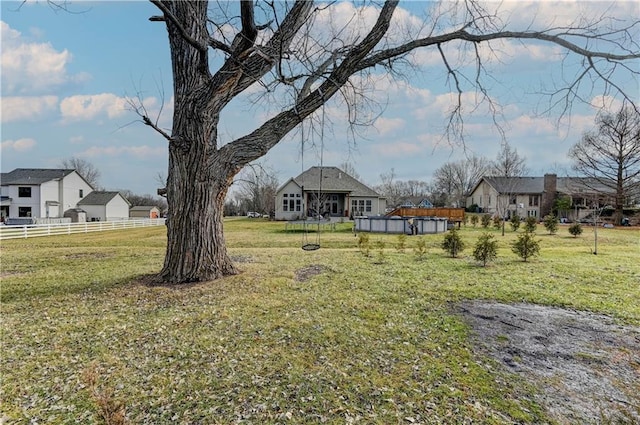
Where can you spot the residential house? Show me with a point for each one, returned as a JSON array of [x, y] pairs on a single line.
[[144, 211], [535, 196], [415, 202], [326, 191], [105, 206], [40, 193]]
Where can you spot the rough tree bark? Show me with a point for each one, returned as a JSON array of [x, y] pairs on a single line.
[[200, 171]]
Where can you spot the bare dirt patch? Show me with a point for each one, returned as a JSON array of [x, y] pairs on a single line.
[[585, 366], [306, 273]]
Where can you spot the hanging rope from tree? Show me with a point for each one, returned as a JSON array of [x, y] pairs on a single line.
[[308, 245]]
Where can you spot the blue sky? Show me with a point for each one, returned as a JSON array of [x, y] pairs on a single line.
[[66, 78]]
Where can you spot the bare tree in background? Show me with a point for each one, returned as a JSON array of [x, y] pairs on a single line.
[[220, 50], [457, 179], [257, 189], [610, 156], [509, 163], [350, 169], [86, 169]]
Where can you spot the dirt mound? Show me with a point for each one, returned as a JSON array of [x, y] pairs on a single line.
[[586, 366]]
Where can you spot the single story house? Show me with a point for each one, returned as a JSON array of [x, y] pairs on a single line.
[[327, 191], [40, 192], [105, 206], [144, 211], [535, 196]]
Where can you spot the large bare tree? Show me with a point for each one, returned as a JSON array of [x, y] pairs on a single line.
[[457, 179], [509, 163], [219, 53], [610, 156], [85, 168]]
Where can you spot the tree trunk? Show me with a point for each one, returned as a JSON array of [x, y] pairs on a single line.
[[196, 249], [197, 180]]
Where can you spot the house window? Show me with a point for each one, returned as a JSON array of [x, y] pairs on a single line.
[[532, 213], [81, 193], [24, 192], [24, 211], [368, 206], [533, 200], [513, 200], [489, 200], [290, 203]]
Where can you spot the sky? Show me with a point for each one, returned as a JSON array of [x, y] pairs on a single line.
[[68, 78]]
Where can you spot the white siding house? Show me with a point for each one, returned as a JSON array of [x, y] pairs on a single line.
[[105, 206], [40, 193]]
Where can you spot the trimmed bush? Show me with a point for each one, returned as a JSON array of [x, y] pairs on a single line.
[[575, 229], [485, 221], [474, 220]]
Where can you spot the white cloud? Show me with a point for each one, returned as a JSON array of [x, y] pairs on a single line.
[[389, 125], [20, 145], [29, 67], [143, 151], [19, 108], [86, 107]]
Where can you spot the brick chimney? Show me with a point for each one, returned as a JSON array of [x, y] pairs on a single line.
[[549, 193]]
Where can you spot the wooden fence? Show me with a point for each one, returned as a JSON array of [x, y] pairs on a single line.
[[451, 214], [36, 230]]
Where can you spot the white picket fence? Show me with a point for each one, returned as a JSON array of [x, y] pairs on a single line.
[[36, 230]]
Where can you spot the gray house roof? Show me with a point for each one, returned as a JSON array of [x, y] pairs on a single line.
[[516, 184], [535, 185], [33, 176], [99, 197], [333, 180]]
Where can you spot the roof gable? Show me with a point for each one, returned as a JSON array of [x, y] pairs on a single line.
[[100, 197], [34, 176], [333, 179]]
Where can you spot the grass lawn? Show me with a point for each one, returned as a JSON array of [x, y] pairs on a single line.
[[328, 336]]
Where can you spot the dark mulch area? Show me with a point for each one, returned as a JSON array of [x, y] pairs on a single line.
[[585, 366]]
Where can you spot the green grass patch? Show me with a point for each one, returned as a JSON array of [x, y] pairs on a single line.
[[361, 340]]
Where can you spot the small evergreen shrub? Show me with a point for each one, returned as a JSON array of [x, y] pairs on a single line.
[[420, 250], [497, 222], [363, 244], [530, 225], [485, 221], [474, 220], [453, 243], [401, 245], [515, 222], [551, 223], [486, 249], [575, 229], [381, 255], [526, 246]]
